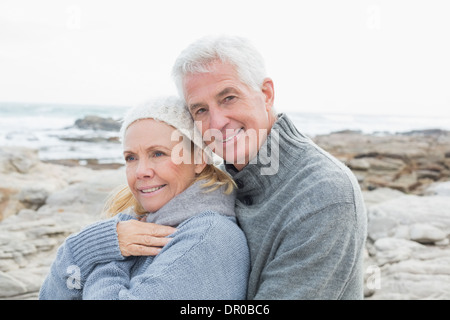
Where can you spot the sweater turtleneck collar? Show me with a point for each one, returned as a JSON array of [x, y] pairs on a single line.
[[275, 159], [193, 201]]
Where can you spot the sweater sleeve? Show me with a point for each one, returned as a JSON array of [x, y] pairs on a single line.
[[77, 256], [208, 258], [326, 251]]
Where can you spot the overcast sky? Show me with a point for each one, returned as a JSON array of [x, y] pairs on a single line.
[[324, 56]]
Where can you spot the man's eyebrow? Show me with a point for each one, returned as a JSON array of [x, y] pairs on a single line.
[[195, 106], [226, 91]]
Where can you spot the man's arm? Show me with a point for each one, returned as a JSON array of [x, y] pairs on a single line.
[[137, 238]]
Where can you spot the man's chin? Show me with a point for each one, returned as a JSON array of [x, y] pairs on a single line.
[[235, 155], [237, 159]]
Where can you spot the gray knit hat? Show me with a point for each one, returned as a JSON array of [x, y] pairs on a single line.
[[168, 109]]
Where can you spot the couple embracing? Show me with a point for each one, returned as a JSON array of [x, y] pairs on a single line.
[[277, 218]]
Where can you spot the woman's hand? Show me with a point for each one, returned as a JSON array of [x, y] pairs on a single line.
[[138, 238]]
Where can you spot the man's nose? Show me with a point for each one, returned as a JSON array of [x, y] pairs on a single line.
[[218, 118]]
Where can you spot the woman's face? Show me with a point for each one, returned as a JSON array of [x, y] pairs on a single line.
[[153, 177]]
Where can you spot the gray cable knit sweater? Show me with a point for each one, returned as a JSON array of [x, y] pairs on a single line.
[[305, 224]]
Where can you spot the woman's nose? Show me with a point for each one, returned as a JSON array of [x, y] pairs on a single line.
[[145, 169]]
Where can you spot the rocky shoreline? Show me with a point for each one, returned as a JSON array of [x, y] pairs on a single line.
[[405, 180], [407, 161]]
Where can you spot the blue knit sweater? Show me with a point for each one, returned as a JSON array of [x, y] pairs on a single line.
[[208, 257]]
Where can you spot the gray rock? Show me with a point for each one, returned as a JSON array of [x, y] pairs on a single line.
[[50, 203], [10, 286], [98, 123], [34, 196], [439, 189], [410, 209], [410, 247], [380, 195], [425, 233], [18, 159]]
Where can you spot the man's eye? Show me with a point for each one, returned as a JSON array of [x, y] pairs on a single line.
[[229, 98], [158, 154], [200, 111], [130, 158]]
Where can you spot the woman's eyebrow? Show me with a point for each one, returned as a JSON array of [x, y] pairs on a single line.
[[161, 147]]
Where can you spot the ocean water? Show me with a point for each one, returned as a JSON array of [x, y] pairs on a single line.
[[315, 124], [50, 128]]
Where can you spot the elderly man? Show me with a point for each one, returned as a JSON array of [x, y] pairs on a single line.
[[300, 208]]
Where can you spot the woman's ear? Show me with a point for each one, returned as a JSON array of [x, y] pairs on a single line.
[[199, 168]]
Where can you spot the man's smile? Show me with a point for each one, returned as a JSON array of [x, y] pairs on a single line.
[[235, 134]]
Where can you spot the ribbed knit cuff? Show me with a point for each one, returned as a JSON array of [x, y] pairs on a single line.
[[95, 244]]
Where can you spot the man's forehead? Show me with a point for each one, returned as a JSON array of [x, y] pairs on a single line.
[[215, 69]]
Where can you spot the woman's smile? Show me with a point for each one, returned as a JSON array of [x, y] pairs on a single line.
[[151, 190]]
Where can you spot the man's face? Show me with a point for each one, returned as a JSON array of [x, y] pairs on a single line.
[[233, 118]]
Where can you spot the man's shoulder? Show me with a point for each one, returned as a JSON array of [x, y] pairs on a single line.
[[317, 165], [320, 177]]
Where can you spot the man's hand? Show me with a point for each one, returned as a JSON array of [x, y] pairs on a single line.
[[138, 238]]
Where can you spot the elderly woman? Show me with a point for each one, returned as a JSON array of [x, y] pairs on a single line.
[[170, 182]]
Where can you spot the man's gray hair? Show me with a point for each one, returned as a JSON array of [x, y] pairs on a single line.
[[237, 51]]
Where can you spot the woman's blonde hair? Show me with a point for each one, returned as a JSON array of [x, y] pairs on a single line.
[[122, 198]]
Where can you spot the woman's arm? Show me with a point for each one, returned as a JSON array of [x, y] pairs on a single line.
[[77, 256], [101, 242], [208, 258]]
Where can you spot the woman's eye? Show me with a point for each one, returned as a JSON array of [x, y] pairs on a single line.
[[158, 154], [130, 158]]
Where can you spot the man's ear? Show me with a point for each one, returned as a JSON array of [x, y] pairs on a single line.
[[268, 90]]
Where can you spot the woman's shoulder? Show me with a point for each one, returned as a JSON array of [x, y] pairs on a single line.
[[207, 258], [210, 221], [210, 229]]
